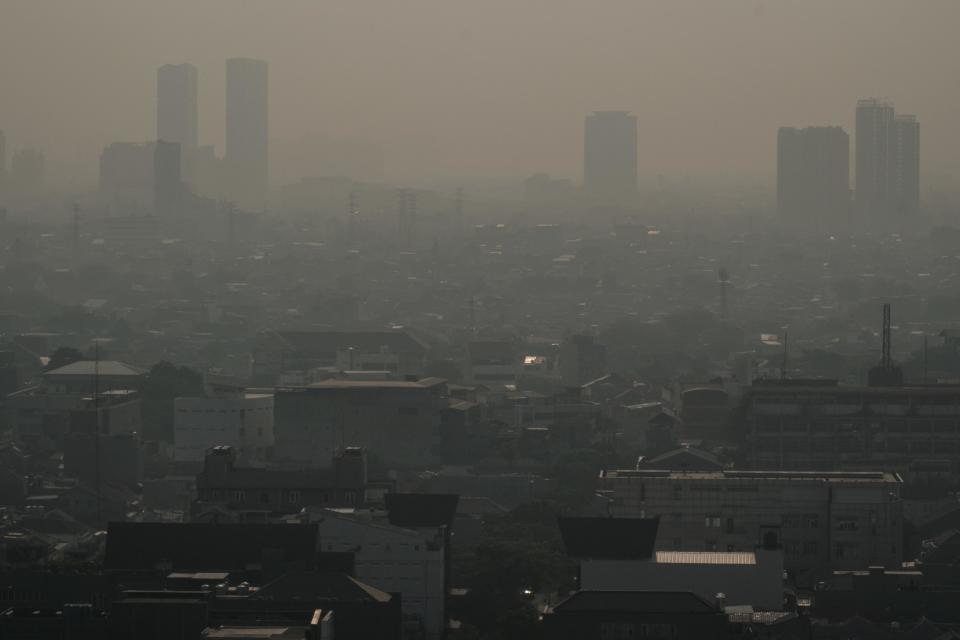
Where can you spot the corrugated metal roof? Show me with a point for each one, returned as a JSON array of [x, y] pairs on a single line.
[[706, 557]]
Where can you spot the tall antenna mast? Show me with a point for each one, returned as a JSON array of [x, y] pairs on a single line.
[[96, 413], [459, 208], [885, 359], [783, 365], [76, 228]]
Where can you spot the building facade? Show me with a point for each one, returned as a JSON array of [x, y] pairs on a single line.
[[887, 159], [610, 156], [241, 420], [833, 519], [813, 172], [822, 425], [399, 421], [247, 137], [251, 494], [395, 559], [177, 111]]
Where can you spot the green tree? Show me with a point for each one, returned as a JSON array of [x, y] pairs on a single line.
[[164, 383]]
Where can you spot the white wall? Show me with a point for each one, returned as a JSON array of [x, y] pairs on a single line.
[[394, 560], [241, 421]]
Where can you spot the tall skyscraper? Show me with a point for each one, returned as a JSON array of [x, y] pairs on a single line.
[[177, 111], [905, 164], [888, 159], [610, 156], [3, 160], [247, 149], [27, 174], [813, 172]]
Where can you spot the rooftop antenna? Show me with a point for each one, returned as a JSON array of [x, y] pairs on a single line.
[[76, 227], [352, 215], [783, 364], [885, 360], [886, 373], [724, 277], [96, 437], [459, 208]]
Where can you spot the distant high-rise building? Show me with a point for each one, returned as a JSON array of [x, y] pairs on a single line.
[[167, 180], [141, 177], [3, 160], [27, 173], [905, 164], [887, 159], [247, 148], [126, 177], [813, 172], [610, 156], [177, 111]]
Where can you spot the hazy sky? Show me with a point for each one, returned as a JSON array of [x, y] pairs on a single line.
[[489, 88]]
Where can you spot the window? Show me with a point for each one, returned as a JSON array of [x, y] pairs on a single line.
[[849, 523], [264, 497], [293, 497], [239, 496], [791, 549], [730, 525], [712, 522], [810, 548], [791, 521], [813, 521]]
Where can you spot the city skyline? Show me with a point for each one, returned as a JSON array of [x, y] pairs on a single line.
[[745, 66]]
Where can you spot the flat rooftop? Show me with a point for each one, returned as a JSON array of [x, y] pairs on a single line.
[[425, 383], [734, 474]]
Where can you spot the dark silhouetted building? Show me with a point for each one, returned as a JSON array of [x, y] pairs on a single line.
[[599, 615], [813, 172], [167, 183], [27, 174], [250, 494], [247, 131], [177, 112], [610, 156]]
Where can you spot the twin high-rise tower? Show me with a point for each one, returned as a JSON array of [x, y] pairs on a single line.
[[244, 177], [813, 166]]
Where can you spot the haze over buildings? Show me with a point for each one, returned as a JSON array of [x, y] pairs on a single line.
[[436, 320], [458, 91]]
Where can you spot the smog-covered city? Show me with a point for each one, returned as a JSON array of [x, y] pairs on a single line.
[[504, 320]]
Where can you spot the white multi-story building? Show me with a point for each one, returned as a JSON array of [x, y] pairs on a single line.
[[834, 519], [241, 420], [393, 559]]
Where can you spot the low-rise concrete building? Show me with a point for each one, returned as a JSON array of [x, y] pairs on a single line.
[[399, 421], [240, 420], [828, 519]]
